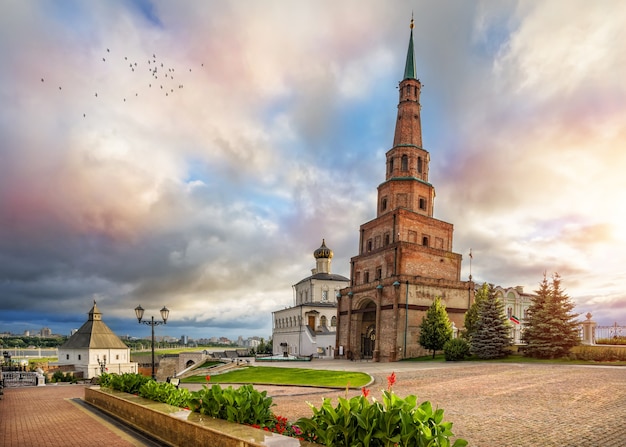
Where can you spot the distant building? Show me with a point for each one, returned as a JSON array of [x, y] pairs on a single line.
[[516, 304], [45, 332], [310, 326], [94, 348], [184, 340]]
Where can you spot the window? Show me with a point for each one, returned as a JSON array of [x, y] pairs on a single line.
[[404, 166], [323, 321], [509, 312], [422, 203], [419, 164], [366, 277], [379, 273], [369, 245], [78, 356], [333, 322], [391, 165], [383, 204], [67, 356], [117, 357], [387, 239], [324, 295], [425, 241]]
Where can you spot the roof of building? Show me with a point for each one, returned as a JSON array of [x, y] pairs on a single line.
[[409, 68], [324, 277], [323, 251], [94, 334]]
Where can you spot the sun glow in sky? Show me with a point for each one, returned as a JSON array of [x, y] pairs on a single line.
[[194, 154]]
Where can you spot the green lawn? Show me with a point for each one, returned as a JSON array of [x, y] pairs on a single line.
[[271, 375]]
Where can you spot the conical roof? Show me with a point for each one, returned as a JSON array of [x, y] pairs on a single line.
[[94, 334], [409, 67]]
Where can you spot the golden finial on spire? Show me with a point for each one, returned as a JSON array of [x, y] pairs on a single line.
[[411, 26]]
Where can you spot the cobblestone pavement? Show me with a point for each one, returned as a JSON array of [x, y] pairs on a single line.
[[497, 404], [52, 416], [490, 404]]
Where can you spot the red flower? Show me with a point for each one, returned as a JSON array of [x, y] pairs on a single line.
[[365, 392], [391, 380], [208, 377]]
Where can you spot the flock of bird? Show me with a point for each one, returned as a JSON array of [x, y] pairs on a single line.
[[161, 77]]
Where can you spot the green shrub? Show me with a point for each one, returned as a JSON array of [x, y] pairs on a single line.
[[394, 422], [127, 382], [456, 349], [598, 353], [58, 376], [244, 405], [165, 392], [616, 340]]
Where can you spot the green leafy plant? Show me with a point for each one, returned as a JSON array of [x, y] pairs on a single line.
[[166, 393], [127, 382], [392, 422], [244, 405], [456, 349], [59, 376]]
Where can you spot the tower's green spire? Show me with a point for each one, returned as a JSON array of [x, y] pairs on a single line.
[[409, 68]]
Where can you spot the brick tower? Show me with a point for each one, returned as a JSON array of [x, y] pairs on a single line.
[[405, 255]]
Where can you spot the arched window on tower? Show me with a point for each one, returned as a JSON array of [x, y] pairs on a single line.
[[404, 165], [425, 241], [419, 164], [391, 165]]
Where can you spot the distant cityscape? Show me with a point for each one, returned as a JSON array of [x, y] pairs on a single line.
[[184, 340]]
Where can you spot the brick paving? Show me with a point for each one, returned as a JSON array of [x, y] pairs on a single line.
[[50, 416], [498, 404], [490, 404]]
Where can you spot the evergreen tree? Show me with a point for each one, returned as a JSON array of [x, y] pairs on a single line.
[[436, 328], [491, 337], [471, 316], [551, 329]]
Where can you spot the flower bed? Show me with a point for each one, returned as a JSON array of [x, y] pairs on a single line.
[[176, 426]]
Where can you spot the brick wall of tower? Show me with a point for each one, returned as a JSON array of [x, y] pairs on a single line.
[[406, 194], [393, 302]]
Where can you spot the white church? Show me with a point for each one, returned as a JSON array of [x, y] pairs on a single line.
[[309, 327]]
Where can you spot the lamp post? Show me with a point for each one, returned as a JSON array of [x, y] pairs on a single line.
[[102, 363], [165, 312]]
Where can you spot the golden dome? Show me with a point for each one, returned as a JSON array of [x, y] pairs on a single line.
[[323, 251]]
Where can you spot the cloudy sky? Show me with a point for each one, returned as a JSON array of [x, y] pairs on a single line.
[[194, 154]]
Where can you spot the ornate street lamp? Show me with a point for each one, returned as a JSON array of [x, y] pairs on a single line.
[[102, 363], [165, 313]]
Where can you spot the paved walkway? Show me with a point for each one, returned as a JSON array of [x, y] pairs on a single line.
[[493, 404], [56, 416]]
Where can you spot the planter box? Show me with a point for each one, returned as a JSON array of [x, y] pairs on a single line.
[[178, 427]]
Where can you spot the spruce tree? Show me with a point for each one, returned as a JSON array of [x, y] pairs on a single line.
[[491, 338], [551, 329], [436, 328], [471, 316]]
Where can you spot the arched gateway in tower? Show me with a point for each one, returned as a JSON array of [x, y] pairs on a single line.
[[405, 255]]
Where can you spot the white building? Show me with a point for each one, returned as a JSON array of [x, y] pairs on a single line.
[[94, 348], [309, 327], [516, 304]]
